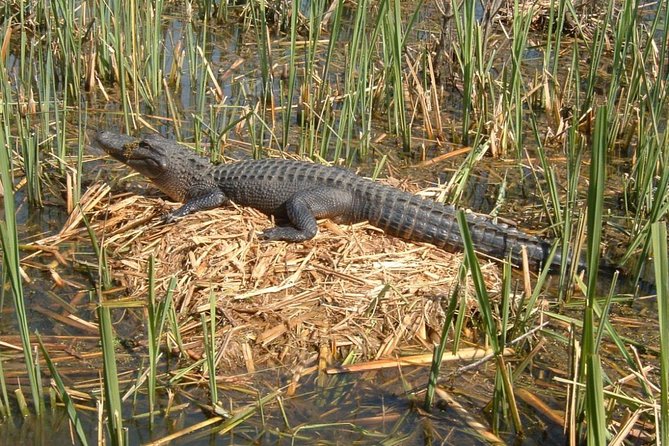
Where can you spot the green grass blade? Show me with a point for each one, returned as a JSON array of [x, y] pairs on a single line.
[[594, 402], [208, 335], [69, 404], [441, 347], [596, 201], [110, 377], [288, 107], [595, 411], [153, 338], [479, 283], [661, 265]]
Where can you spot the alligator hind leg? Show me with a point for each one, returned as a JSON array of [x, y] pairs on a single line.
[[304, 207]]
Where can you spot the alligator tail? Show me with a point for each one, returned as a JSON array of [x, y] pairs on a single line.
[[413, 218]]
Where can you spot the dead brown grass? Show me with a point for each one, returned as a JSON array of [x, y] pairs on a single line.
[[349, 290]]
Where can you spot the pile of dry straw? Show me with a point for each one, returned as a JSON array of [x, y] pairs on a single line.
[[350, 290]]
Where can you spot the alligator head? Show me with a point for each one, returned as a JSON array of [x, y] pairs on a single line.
[[174, 169]]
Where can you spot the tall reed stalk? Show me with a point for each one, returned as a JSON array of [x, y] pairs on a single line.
[[312, 107], [156, 323], [503, 397], [648, 183], [440, 348], [292, 73], [322, 97], [202, 77], [514, 91], [5, 408], [153, 46], [112, 395], [590, 362], [661, 265], [261, 27], [598, 45], [209, 339], [65, 397]]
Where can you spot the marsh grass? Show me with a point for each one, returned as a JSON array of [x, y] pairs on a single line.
[[503, 400], [157, 312], [393, 39], [440, 348], [208, 322], [259, 15], [469, 51], [290, 86], [5, 408], [103, 271], [514, 93], [357, 83]]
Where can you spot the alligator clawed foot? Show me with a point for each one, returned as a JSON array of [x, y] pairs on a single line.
[[169, 218], [267, 235]]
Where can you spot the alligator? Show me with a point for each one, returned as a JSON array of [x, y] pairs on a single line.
[[297, 193]]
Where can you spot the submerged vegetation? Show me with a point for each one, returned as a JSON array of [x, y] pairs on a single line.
[[132, 331]]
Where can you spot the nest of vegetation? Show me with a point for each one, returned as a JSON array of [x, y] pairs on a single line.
[[350, 290]]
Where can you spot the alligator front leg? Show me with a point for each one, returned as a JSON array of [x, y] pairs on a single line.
[[210, 200], [304, 207]]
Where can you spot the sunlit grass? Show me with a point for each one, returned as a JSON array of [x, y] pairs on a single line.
[[590, 362], [661, 265], [503, 397], [515, 92], [112, 394], [64, 396], [352, 77], [209, 340], [393, 38], [469, 52], [157, 312], [457, 296]]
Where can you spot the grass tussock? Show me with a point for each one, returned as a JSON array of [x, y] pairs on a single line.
[[350, 288]]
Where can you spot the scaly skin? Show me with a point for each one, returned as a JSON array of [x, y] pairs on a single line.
[[297, 193]]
